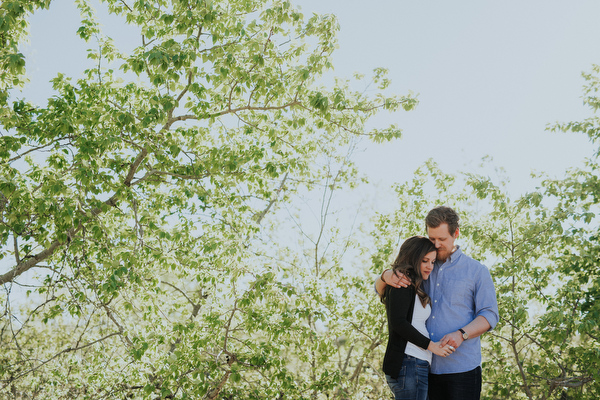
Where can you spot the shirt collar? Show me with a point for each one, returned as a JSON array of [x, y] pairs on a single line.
[[454, 256]]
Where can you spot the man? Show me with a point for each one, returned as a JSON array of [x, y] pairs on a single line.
[[463, 307]]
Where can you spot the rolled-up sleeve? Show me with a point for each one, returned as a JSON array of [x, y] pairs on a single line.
[[486, 304]]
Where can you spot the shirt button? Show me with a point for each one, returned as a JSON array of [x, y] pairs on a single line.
[[437, 284], [433, 317]]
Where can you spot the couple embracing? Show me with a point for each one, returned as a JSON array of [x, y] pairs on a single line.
[[438, 301]]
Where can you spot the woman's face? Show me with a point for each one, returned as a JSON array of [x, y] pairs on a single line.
[[427, 264]]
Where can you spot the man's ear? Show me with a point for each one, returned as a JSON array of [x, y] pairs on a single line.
[[456, 233]]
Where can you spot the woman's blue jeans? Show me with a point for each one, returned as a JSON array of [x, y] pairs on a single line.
[[412, 381]]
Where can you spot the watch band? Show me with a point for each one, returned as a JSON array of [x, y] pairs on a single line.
[[465, 335]]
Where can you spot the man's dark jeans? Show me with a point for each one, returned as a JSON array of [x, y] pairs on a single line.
[[462, 386]]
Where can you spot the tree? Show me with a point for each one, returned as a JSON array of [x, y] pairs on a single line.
[[132, 203], [546, 244]]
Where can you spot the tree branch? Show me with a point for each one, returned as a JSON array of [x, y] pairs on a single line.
[[67, 350], [24, 266], [35, 149], [113, 319], [16, 245], [261, 215], [31, 262], [133, 168], [254, 108]]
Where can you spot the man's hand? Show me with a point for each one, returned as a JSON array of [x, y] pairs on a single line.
[[475, 328], [397, 279], [454, 339]]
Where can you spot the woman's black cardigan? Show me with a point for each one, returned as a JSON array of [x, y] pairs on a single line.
[[399, 305]]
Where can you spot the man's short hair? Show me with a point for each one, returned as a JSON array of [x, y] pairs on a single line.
[[442, 215]]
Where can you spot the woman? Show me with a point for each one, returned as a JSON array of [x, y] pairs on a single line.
[[409, 349]]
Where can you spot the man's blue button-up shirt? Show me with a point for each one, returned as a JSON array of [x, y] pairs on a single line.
[[460, 289]]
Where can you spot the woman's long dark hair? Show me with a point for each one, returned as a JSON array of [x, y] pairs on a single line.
[[411, 253]]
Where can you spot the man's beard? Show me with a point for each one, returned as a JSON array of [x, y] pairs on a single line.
[[442, 255]]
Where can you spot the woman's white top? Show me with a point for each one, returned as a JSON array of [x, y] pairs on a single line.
[[420, 315]]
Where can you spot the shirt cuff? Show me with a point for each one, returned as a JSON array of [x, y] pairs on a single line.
[[491, 317]]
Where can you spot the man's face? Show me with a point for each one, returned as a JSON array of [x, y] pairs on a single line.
[[443, 240]]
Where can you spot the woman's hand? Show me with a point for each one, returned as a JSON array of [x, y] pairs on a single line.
[[437, 349]]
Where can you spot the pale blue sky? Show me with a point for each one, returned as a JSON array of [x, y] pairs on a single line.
[[490, 76]]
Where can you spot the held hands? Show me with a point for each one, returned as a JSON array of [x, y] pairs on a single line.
[[397, 279], [437, 349], [453, 339], [448, 345]]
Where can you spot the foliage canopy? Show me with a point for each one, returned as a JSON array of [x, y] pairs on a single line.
[[147, 209], [132, 202]]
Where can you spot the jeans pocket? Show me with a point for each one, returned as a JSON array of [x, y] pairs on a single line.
[[397, 383]]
